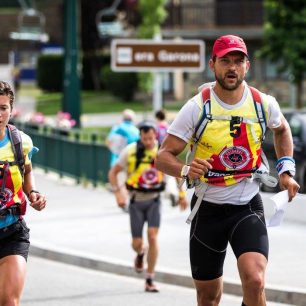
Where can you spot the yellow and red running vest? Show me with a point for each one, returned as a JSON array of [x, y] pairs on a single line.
[[143, 176], [13, 191], [231, 143]]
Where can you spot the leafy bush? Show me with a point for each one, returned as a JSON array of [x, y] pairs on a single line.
[[50, 72], [120, 84], [91, 67]]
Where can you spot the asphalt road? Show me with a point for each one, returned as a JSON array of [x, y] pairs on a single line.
[[50, 283]]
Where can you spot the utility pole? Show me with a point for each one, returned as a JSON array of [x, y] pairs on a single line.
[[71, 86]]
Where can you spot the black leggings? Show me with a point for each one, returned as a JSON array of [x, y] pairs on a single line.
[[243, 226]]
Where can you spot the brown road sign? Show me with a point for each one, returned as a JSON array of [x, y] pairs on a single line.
[[152, 55]]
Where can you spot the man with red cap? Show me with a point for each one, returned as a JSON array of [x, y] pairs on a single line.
[[225, 124]]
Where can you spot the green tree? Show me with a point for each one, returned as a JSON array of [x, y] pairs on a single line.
[[285, 39], [153, 14]]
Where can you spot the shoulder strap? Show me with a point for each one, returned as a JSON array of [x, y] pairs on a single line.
[[260, 111], [140, 149], [16, 141], [202, 123]]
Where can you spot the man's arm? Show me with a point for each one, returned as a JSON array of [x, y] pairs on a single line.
[[168, 162], [284, 147], [113, 179]]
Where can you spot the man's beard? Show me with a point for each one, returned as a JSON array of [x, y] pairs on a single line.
[[228, 87]]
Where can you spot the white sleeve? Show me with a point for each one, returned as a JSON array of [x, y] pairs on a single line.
[[123, 158], [274, 113], [185, 122]]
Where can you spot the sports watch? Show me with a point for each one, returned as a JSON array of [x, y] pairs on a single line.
[[185, 171]]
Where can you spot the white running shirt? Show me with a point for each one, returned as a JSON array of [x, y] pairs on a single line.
[[183, 127]]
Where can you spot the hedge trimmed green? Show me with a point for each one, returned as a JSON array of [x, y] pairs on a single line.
[[120, 84], [50, 72]]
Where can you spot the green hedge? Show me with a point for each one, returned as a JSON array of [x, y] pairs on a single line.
[[92, 65], [50, 72], [120, 84]]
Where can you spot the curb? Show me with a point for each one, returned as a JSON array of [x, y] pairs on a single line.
[[287, 295]]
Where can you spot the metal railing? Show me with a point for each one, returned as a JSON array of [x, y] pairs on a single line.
[[68, 154]]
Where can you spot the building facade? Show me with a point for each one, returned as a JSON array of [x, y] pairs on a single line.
[[187, 19], [209, 19]]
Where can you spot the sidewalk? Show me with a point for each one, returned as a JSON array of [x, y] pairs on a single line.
[[83, 226]]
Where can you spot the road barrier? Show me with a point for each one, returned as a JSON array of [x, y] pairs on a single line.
[[69, 153]]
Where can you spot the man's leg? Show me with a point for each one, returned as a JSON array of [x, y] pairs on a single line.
[[137, 223], [209, 292], [250, 243], [207, 247], [137, 245], [153, 218], [153, 249], [151, 259], [252, 267]]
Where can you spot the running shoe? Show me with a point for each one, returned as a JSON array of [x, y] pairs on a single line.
[[138, 263], [150, 286]]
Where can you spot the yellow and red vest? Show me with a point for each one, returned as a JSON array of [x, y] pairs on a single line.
[[231, 138], [142, 173], [13, 189]]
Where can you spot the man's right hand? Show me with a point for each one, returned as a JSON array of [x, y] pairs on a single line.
[[120, 198], [199, 167]]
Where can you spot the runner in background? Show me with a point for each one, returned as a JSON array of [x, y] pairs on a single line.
[[171, 191], [161, 125], [119, 137], [145, 184], [122, 134]]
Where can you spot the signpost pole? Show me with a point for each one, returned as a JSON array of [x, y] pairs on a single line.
[[158, 90]]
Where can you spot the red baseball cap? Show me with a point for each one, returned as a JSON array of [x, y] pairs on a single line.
[[228, 43]]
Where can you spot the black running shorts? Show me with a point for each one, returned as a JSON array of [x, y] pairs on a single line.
[[141, 212], [214, 225], [14, 240]]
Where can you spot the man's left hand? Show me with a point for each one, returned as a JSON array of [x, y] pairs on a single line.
[[289, 183], [38, 201], [182, 202]]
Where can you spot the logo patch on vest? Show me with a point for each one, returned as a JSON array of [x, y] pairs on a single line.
[[149, 177], [6, 196], [235, 157]]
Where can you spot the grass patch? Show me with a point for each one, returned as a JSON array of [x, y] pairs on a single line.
[[91, 102]]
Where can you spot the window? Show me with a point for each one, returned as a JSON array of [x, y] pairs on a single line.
[[271, 71], [239, 12]]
